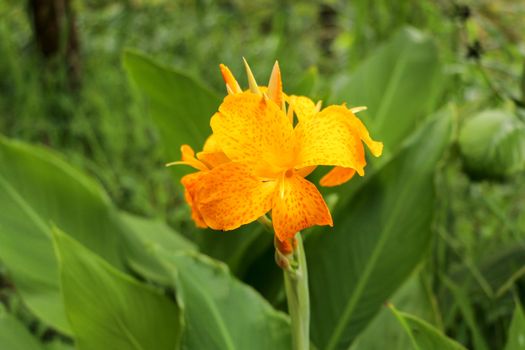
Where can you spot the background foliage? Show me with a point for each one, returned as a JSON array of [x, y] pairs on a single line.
[[96, 246]]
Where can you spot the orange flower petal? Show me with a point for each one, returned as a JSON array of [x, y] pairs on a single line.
[[304, 172], [230, 195], [211, 144], [191, 183], [188, 158], [231, 84], [275, 86], [212, 155], [303, 107], [286, 247], [337, 176], [213, 159], [327, 139], [249, 128], [297, 205], [376, 148]]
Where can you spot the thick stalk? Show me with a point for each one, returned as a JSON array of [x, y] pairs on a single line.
[[296, 286]]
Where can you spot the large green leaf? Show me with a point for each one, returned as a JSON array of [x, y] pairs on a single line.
[[238, 248], [61, 194], [57, 344], [383, 332], [38, 189], [516, 336], [180, 107], [27, 252], [147, 236], [377, 240], [154, 233], [107, 309], [221, 312], [231, 247], [14, 336], [423, 335], [400, 83]]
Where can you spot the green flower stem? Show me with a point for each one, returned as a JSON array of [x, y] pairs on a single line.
[[296, 286]]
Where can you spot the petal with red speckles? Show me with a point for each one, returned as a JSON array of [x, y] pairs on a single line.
[[297, 205]]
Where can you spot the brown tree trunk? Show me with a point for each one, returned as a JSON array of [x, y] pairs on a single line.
[[54, 25]]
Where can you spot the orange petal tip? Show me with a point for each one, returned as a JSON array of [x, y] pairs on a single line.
[[275, 85], [231, 83]]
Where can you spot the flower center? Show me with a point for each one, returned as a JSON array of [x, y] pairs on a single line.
[[289, 173]]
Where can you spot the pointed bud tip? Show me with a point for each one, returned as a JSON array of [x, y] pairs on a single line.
[[251, 79], [231, 84], [275, 85], [358, 109]]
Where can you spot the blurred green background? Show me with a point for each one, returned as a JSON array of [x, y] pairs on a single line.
[[63, 85]]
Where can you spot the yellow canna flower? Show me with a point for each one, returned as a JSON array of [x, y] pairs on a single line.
[[256, 160]]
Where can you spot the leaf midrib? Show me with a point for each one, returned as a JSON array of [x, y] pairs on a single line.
[[226, 336], [40, 223], [36, 218], [350, 306], [390, 90], [132, 340]]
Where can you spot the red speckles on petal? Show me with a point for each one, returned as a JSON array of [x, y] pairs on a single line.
[[327, 139], [256, 161], [303, 107], [230, 196], [212, 159], [252, 129], [191, 184], [376, 148], [298, 205]]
